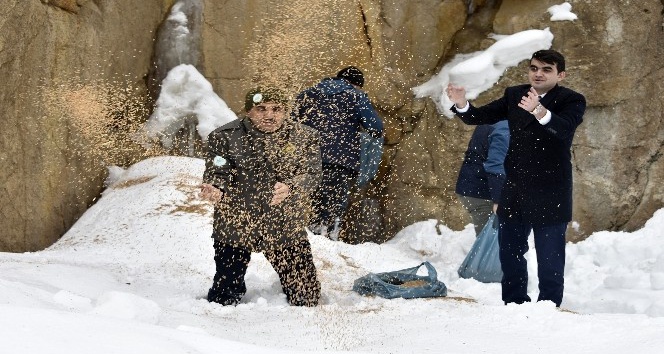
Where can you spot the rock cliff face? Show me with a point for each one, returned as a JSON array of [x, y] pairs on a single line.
[[67, 62], [615, 53], [65, 66]]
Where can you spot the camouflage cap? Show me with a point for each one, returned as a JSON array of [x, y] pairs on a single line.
[[268, 94]]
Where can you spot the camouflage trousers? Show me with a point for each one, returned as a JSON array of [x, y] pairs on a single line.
[[294, 265]]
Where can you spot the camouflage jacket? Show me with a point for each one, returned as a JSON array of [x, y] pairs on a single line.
[[245, 164]]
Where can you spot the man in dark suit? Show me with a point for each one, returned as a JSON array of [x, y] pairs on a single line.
[[537, 194]]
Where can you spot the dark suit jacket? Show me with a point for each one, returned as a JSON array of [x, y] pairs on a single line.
[[538, 187]]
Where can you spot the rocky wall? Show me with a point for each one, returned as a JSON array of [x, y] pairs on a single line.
[[613, 49], [614, 52], [66, 65]]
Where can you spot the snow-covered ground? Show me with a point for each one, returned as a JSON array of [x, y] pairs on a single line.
[[131, 276]]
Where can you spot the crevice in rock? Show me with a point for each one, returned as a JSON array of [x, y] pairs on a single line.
[[366, 30], [656, 156], [662, 15], [68, 5], [479, 19], [637, 213]]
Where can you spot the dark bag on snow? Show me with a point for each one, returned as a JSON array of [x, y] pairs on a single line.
[[371, 152], [403, 283], [482, 262]]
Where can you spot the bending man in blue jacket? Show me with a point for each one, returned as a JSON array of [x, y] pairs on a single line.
[[339, 110], [482, 173], [537, 194]]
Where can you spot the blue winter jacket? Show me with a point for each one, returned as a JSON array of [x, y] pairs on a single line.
[[339, 111], [482, 173]]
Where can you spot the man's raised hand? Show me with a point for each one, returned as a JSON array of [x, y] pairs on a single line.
[[281, 192], [457, 94]]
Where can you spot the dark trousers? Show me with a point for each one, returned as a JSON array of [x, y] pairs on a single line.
[[331, 198], [479, 209], [294, 265], [550, 250]]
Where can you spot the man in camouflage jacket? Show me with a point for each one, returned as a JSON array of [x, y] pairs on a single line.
[[260, 172]]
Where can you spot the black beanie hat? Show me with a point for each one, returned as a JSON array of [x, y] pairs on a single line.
[[352, 75], [259, 95]]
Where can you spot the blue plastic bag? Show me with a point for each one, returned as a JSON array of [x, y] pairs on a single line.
[[371, 152], [403, 283], [483, 262]]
